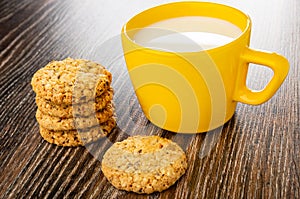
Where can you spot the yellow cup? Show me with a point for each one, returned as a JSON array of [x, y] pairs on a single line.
[[193, 92]]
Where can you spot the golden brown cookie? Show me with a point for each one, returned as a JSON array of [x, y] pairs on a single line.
[[59, 124], [78, 138], [81, 110], [71, 81], [144, 164]]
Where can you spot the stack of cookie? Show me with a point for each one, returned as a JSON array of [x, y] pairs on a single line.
[[74, 99]]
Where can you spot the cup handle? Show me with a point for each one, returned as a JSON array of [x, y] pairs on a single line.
[[277, 63]]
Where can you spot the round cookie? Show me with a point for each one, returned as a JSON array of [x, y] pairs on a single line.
[[144, 164], [71, 81], [82, 110], [58, 123], [78, 138]]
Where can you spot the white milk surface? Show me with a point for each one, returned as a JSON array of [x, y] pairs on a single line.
[[187, 34]]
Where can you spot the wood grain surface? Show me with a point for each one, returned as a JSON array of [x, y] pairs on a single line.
[[255, 155]]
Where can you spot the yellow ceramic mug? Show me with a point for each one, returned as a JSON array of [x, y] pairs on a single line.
[[192, 92]]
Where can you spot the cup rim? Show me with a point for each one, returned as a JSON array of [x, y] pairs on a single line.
[[247, 26]]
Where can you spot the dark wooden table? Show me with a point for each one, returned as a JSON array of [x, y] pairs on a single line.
[[255, 155]]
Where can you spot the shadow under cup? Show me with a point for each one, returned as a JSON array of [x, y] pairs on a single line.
[[197, 91]]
